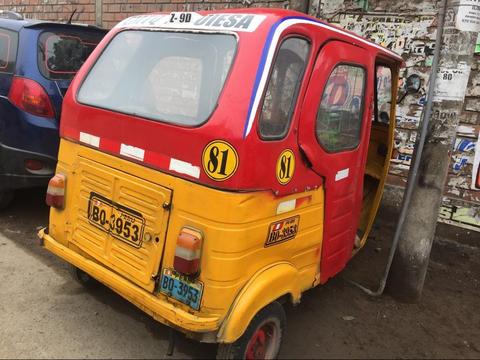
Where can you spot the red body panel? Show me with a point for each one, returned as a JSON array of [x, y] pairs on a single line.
[[231, 122], [343, 196]]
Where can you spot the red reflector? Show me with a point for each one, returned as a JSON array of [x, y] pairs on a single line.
[[187, 267], [31, 97], [187, 252], [56, 191], [34, 165]]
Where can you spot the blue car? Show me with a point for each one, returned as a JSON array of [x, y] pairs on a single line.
[[38, 60]]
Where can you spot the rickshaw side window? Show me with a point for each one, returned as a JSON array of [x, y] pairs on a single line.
[[282, 90], [339, 118], [172, 77], [383, 105]]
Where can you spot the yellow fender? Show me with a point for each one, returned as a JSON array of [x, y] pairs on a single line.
[[266, 286]]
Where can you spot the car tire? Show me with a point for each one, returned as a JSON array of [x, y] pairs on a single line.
[[262, 339], [83, 278], [6, 198]]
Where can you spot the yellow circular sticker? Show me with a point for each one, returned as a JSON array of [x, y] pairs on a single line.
[[219, 160], [285, 166]]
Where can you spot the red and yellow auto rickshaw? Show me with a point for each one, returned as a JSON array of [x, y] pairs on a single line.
[[215, 165]]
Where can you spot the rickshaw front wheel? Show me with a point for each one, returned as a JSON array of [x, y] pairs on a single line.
[[262, 339]]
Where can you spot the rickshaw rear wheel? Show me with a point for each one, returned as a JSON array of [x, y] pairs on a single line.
[[262, 339], [83, 278]]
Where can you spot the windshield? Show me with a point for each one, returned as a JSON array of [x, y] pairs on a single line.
[[173, 77], [62, 53]]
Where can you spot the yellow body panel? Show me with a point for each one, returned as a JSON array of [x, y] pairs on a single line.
[[239, 273]]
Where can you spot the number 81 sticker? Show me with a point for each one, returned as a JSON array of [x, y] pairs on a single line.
[[285, 166], [219, 160]]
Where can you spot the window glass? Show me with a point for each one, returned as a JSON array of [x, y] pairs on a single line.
[[172, 77], [61, 54], [8, 50], [339, 117], [384, 94], [282, 90]]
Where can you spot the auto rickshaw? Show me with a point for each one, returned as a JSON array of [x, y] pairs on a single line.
[[215, 165]]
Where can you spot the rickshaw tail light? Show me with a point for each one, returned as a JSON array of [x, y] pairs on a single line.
[[56, 191], [188, 252]]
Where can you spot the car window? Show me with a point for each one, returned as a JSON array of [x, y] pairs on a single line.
[[383, 94], [62, 53], [282, 90], [173, 77], [339, 117], [8, 50]]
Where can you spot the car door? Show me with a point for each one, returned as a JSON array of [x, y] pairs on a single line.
[[334, 126]]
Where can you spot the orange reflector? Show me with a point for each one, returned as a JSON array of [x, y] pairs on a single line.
[[188, 251], [56, 191]]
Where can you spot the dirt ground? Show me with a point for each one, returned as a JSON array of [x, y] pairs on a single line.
[[44, 314]]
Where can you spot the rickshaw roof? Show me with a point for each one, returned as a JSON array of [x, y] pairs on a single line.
[[248, 20]]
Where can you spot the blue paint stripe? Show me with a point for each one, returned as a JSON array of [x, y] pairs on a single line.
[[261, 66]]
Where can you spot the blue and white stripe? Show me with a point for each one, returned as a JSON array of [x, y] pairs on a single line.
[[269, 52]]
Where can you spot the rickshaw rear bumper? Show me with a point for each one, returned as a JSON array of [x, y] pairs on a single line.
[[203, 328]]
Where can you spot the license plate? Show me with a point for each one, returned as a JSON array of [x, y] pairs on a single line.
[[181, 288], [282, 230], [122, 223]]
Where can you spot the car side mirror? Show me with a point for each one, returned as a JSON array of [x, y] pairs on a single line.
[[412, 86]]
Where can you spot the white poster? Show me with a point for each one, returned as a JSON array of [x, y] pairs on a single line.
[[468, 15], [451, 83]]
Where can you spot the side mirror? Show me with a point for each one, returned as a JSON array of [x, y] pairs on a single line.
[[412, 86]]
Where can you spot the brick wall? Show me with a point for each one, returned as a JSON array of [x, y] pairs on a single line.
[[112, 11], [116, 10], [58, 10]]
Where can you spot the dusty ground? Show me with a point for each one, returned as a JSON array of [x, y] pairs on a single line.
[[43, 314]]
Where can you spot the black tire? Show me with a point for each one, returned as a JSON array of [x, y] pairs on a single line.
[[6, 198], [83, 278], [271, 320]]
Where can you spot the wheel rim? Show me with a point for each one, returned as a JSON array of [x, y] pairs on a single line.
[[264, 342]]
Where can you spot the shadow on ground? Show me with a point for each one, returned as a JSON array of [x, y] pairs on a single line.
[[333, 321]]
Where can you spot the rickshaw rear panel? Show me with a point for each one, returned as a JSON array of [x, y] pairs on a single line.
[[226, 265]]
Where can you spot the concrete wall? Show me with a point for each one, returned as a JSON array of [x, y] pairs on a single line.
[[409, 28], [405, 27]]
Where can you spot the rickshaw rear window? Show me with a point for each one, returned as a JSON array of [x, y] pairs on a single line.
[[172, 77]]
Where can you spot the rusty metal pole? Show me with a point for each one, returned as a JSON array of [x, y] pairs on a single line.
[[411, 260]]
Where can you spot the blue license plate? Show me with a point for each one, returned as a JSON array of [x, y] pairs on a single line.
[[181, 288]]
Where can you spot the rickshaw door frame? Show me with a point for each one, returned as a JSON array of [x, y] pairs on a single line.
[[343, 170]]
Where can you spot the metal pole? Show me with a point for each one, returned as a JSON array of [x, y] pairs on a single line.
[[417, 155]]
